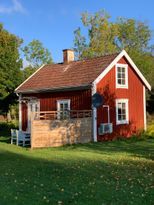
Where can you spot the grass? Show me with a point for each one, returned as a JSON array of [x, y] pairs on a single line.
[[110, 173]]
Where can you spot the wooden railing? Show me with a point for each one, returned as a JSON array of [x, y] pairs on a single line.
[[61, 115]]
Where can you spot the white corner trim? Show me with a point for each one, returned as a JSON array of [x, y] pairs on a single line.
[[126, 75], [122, 100], [144, 108], [94, 115], [112, 64], [29, 77]]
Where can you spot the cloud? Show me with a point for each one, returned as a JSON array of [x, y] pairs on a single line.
[[16, 7]]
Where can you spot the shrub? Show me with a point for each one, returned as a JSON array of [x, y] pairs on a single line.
[[5, 128]]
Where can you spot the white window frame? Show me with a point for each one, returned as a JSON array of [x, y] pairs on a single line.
[[119, 122], [63, 101], [126, 75]]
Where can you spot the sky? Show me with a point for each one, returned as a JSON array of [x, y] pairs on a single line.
[[53, 21]]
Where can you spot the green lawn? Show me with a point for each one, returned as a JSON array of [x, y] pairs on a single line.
[[116, 173]]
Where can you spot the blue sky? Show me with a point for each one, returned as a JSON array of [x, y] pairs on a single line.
[[53, 21]]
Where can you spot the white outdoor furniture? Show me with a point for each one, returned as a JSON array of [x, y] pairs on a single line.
[[13, 136], [20, 138]]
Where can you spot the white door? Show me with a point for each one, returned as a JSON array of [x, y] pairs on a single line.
[[33, 106], [63, 107]]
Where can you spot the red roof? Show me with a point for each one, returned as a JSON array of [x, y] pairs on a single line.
[[74, 74]]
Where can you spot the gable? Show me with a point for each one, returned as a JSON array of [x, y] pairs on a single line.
[[123, 57]]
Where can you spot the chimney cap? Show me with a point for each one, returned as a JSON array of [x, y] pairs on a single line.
[[68, 49]]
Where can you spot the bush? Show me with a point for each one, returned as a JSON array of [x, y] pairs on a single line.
[[5, 128]]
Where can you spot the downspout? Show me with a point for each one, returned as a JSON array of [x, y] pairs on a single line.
[[94, 115]]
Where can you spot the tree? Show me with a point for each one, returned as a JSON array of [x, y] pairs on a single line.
[[36, 54], [105, 37], [101, 35], [10, 64], [79, 43], [27, 71], [133, 35]]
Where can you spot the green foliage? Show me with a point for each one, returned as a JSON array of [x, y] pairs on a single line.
[[5, 128], [132, 35], [28, 71], [116, 173], [105, 37], [10, 62], [79, 43], [101, 35], [36, 54]]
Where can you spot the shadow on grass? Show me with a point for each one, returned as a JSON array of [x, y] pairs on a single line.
[[138, 148], [28, 179]]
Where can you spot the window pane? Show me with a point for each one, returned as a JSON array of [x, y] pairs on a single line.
[[119, 81], [123, 70], [119, 118], [123, 75], [123, 105], [119, 69], [119, 111], [120, 105], [65, 106], [61, 106], [123, 82], [123, 111], [119, 75], [123, 117]]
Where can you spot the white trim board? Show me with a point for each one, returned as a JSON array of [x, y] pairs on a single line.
[[144, 108], [94, 115], [29, 78], [113, 63]]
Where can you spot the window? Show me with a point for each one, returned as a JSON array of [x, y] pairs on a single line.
[[122, 111], [63, 108], [121, 76]]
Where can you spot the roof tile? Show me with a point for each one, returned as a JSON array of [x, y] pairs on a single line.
[[74, 74]]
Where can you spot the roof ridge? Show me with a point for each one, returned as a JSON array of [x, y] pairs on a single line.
[[96, 57], [86, 59]]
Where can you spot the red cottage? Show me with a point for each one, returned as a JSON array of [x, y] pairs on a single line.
[[70, 85]]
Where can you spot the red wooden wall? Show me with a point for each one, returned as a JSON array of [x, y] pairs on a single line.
[[80, 100], [134, 94]]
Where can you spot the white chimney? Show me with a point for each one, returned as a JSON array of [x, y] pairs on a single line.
[[68, 55]]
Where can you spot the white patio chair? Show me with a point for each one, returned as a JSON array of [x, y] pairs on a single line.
[[13, 136], [22, 138]]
